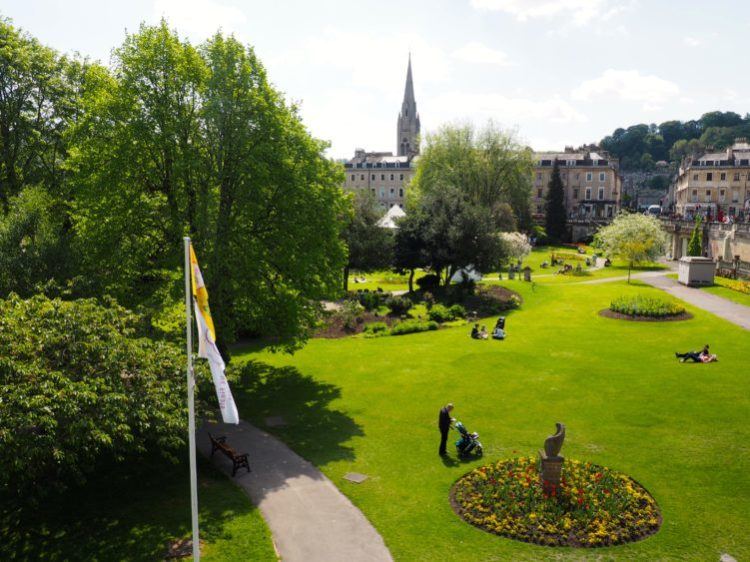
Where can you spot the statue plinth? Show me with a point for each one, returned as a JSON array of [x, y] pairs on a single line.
[[551, 472]]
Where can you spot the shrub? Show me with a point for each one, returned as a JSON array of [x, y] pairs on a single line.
[[413, 326], [376, 329], [641, 305], [734, 284], [78, 388], [350, 314], [371, 300], [428, 282], [440, 313], [457, 311], [398, 305]]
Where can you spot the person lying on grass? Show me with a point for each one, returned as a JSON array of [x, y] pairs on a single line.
[[703, 356]]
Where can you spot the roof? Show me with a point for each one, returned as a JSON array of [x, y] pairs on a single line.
[[390, 218]]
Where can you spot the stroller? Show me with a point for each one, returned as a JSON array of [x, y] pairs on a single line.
[[468, 443]]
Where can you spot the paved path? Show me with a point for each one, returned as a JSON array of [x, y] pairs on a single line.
[[642, 275], [309, 518], [721, 307]]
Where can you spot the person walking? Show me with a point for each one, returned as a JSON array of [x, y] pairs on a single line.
[[444, 424]]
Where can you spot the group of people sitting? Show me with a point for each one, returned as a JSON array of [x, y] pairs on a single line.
[[702, 356], [480, 332]]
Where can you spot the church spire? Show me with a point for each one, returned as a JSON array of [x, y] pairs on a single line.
[[408, 120]]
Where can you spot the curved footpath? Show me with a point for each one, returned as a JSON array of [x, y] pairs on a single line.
[[309, 518]]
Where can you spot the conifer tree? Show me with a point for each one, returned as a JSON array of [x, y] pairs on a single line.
[[556, 219], [695, 245]]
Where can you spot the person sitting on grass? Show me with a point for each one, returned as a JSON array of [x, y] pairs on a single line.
[[695, 356], [483, 335], [475, 332]]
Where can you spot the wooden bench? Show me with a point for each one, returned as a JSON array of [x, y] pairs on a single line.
[[238, 460]]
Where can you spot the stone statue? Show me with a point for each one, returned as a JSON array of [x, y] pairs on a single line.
[[551, 462], [554, 443]]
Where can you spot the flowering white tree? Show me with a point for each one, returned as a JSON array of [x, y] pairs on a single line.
[[634, 238], [516, 245]]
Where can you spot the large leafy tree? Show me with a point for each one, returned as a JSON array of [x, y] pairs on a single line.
[[79, 389], [635, 238], [488, 165], [556, 220], [180, 140], [37, 103], [370, 246], [409, 244]]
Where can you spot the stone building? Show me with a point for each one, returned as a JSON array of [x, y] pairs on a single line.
[[592, 183], [715, 181], [381, 173]]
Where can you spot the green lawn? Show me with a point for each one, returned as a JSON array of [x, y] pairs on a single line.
[[134, 519], [385, 279], [370, 406]]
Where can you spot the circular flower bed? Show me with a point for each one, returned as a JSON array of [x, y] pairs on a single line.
[[593, 506], [649, 307]]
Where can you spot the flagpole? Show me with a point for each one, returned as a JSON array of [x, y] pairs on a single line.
[[191, 405]]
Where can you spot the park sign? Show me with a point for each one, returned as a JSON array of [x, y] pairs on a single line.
[[207, 348]]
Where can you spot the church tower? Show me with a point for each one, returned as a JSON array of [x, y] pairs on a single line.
[[408, 120]]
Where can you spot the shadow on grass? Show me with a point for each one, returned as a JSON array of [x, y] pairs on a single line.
[[120, 517], [312, 428]]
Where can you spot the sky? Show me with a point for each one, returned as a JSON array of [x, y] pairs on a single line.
[[557, 72]]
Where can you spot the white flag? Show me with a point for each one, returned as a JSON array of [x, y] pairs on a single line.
[[207, 344]]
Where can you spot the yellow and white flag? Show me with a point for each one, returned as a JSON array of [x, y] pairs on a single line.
[[207, 343]]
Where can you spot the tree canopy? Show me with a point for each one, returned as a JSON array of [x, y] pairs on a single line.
[[635, 238], [555, 218]]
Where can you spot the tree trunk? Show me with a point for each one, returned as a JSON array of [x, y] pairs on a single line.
[[346, 279], [411, 280]]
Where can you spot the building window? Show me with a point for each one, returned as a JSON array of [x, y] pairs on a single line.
[[401, 192], [393, 191], [578, 175], [695, 177], [723, 176], [382, 177], [382, 192], [391, 177], [361, 176], [709, 176], [601, 176], [401, 177], [735, 196], [589, 176], [575, 193], [373, 177], [539, 176], [564, 176], [588, 193], [352, 177], [708, 196], [736, 177], [373, 191], [539, 193], [601, 194], [609, 211], [722, 195], [695, 196]]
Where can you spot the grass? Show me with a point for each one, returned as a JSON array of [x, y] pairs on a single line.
[[135, 518], [370, 406], [384, 279]]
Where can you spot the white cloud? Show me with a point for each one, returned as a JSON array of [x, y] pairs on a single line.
[[376, 62], [692, 41], [477, 53], [628, 85], [580, 12], [199, 18], [483, 106]]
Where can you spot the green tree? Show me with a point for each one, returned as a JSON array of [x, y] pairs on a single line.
[[409, 245], [635, 238], [695, 244], [555, 219], [458, 234], [488, 165], [80, 389], [370, 246]]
